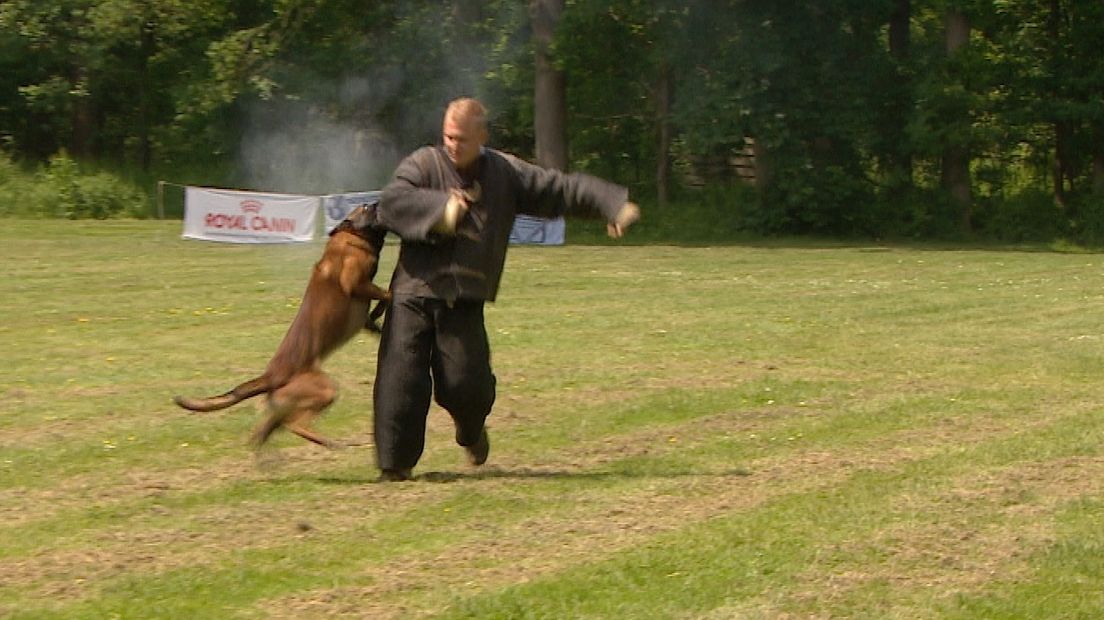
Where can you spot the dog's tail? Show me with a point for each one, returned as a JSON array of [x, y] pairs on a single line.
[[249, 389]]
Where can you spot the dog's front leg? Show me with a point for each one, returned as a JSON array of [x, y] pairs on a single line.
[[367, 291]]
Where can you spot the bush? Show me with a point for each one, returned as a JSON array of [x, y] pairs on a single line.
[[1088, 225], [20, 194], [98, 196], [62, 190], [1030, 216], [718, 213]]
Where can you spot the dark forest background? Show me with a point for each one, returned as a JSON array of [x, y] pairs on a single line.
[[872, 118]]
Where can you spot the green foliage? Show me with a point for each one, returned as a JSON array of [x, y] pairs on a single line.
[[715, 214], [60, 189], [1085, 220], [851, 125], [21, 193], [97, 195], [1029, 216], [613, 109]]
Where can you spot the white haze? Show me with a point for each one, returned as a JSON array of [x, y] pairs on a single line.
[[306, 147], [300, 150]]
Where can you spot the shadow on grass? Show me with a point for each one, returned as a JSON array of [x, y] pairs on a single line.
[[496, 473], [858, 245]]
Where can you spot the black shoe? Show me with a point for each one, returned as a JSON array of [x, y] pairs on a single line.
[[395, 475], [478, 453]]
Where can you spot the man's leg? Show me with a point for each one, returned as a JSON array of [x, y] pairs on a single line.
[[403, 386], [464, 383]]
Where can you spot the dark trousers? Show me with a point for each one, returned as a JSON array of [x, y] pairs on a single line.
[[430, 348]]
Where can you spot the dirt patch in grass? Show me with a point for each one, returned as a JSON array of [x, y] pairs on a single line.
[[97, 489], [593, 525], [989, 526], [592, 529], [165, 538], [114, 486]]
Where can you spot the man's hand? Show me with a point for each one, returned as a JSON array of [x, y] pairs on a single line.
[[456, 208], [628, 215], [472, 194]]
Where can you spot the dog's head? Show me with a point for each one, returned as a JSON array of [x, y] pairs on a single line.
[[363, 221]]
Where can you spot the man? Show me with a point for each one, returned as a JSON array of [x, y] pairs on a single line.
[[453, 207]]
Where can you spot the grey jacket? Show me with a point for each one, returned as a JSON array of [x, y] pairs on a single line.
[[468, 265]]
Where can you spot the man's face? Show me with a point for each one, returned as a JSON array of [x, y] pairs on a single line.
[[463, 138]]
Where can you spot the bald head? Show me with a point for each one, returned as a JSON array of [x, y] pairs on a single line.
[[464, 131]]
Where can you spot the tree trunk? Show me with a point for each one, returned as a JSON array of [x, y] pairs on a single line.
[[1062, 137], [764, 172], [957, 27], [956, 156], [465, 39], [900, 44], [466, 14], [81, 115], [1097, 151], [1098, 174], [146, 50], [663, 145], [900, 39], [1062, 129], [550, 88]]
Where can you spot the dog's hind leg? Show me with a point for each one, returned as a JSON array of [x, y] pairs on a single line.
[[310, 435], [271, 422], [295, 406]]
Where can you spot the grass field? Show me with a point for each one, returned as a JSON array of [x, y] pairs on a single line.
[[682, 432]]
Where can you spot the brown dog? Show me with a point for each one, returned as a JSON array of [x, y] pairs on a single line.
[[335, 307]]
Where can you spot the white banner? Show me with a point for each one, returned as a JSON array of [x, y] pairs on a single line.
[[248, 217], [536, 230], [336, 207]]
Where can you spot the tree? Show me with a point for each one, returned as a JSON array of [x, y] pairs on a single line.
[[549, 92], [52, 39], [899, 100], [1048, 64], [918, 117], [955, 177], [620, 58], [1076, 79], [801, 79]]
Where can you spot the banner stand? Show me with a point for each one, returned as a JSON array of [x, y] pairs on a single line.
[[248, 217], [234, 216]]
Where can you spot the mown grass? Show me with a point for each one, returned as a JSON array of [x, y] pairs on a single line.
[[742, 431]]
